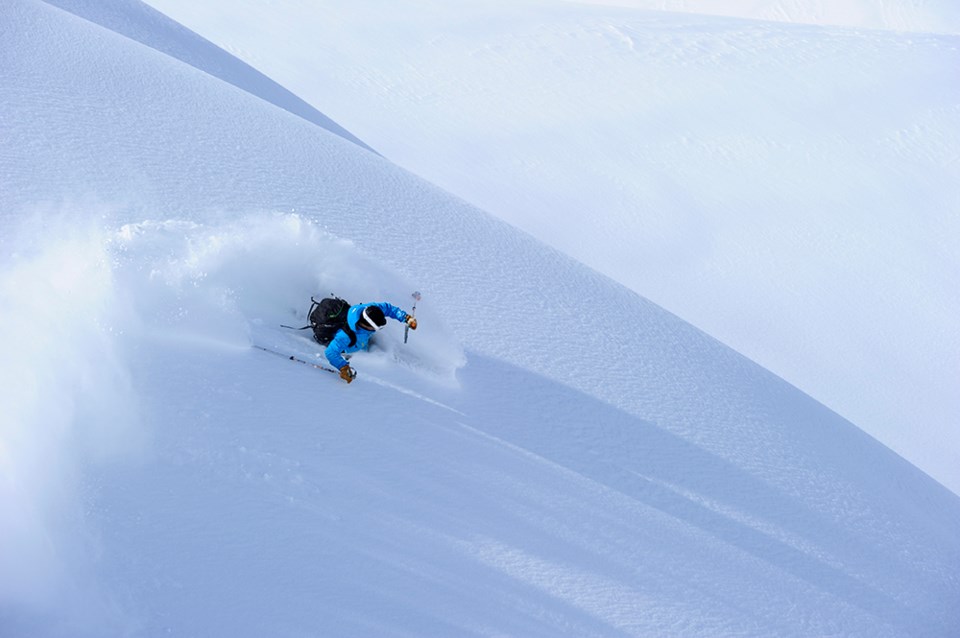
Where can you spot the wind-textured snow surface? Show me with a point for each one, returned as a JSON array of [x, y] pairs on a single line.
[[515, 469], [921, 16], [790, 189]]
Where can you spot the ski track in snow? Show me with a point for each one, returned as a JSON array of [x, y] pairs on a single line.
[[159, 476]]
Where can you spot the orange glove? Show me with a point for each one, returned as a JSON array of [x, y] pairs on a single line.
[[347, 373], [412, 322]]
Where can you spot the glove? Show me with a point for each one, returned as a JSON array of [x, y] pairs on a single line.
[[347, 373], [412, 322]]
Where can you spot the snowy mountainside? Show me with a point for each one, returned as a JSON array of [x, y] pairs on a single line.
[[513, 470], [787, 188], [143, 24]]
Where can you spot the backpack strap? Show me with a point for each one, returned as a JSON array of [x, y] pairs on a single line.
[[313, 304], [350, 333], [346, 320], [345, 327]]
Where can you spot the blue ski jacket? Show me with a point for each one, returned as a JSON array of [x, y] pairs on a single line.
[[340, 343]]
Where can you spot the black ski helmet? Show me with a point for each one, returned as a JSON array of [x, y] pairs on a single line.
[[373, 317]]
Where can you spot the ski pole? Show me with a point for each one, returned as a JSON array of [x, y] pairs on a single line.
[[406, 329], [291, 357]]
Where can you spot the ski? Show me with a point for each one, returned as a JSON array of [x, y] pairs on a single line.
[[290, 357]]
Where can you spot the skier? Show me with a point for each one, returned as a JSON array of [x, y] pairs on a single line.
[[364, 320]]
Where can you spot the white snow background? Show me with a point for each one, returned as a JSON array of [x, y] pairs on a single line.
[[789, 188], [524, 466]]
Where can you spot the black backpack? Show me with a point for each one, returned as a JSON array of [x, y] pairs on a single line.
[[327, 317]]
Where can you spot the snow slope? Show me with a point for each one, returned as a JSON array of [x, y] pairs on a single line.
[[139, 22], [159, 476], [789, 189]]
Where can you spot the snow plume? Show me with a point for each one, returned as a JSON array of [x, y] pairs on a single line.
[[209, 281], [67, 402], [232, 283], [79, 306]]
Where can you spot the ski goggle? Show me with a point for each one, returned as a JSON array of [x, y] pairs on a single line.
[[370, 322]]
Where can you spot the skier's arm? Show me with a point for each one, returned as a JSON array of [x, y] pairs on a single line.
[[336, 348], [389, 310]]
